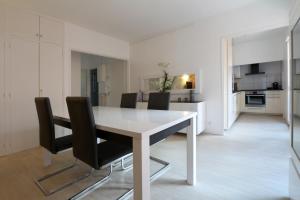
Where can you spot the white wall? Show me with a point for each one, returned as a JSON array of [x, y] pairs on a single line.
[[76, 74], [258, 51], [199, 47], [116, 70]]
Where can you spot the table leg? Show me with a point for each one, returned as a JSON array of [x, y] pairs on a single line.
[[191, 153], [141, 168], [47, 157]]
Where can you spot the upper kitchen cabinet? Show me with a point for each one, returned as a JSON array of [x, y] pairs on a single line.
[[22, 24], [266, 46], [51, 31]]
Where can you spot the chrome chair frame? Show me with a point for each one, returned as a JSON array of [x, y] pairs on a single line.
[[46, 192], [153, 177], [128, 194], [94, 186]]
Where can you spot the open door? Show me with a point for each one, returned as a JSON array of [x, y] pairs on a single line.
[[294, 181]]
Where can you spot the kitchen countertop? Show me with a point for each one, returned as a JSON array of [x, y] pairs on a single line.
[[257, 90], [175, 101]]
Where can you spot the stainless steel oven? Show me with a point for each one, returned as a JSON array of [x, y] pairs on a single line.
[[255, 98]]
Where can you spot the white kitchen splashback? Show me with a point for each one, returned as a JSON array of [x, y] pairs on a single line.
[[273, 73], [253, 82]]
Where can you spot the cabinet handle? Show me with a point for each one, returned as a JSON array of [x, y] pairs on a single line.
[[41, 35], [9, 95], [37, 35]]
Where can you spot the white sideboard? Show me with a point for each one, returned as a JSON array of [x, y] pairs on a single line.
[[198, 107]]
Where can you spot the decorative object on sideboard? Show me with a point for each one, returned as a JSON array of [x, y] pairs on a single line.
[[176, 82], [192, 98], [140, 96], [189, 85], [166, 83]]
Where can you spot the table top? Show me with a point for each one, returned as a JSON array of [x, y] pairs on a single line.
[[136, 122]]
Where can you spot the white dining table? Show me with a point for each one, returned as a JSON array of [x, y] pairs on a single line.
[[139, 125]]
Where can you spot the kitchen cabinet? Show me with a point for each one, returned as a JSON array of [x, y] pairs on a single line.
[[255, 109], [32, 67], [199, 107], [242, 101], [274, 102], [234, 108]]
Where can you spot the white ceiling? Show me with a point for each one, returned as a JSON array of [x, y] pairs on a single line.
[[131, 20]]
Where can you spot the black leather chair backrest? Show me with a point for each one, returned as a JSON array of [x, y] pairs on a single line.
[[84, 130], [128, 100], [46, 123], [159, 101]]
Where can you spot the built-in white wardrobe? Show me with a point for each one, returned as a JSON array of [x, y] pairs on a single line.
[[31, 65]]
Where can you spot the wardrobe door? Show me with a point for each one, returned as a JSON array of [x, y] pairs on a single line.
[[3, 140], [23, 82], [22, 24], [51, 31], [51, 75], [51, 78], [3, 137]]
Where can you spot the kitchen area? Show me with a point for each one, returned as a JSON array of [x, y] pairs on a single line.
[[258, 75]]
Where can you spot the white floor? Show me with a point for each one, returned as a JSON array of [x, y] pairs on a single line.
[[250, 162]]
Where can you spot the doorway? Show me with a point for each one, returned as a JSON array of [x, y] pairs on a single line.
[[101, 78], [255, 68], [94, 87]]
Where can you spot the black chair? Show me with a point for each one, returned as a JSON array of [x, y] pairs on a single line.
[[128, 100], [159, 101], [85, 147], [48, 140]]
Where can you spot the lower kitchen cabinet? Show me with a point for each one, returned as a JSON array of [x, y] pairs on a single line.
[[274, 102]]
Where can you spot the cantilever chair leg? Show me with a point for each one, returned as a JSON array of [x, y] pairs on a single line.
[[153, 177], [93, 187], [45, 191], [123, 162]]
